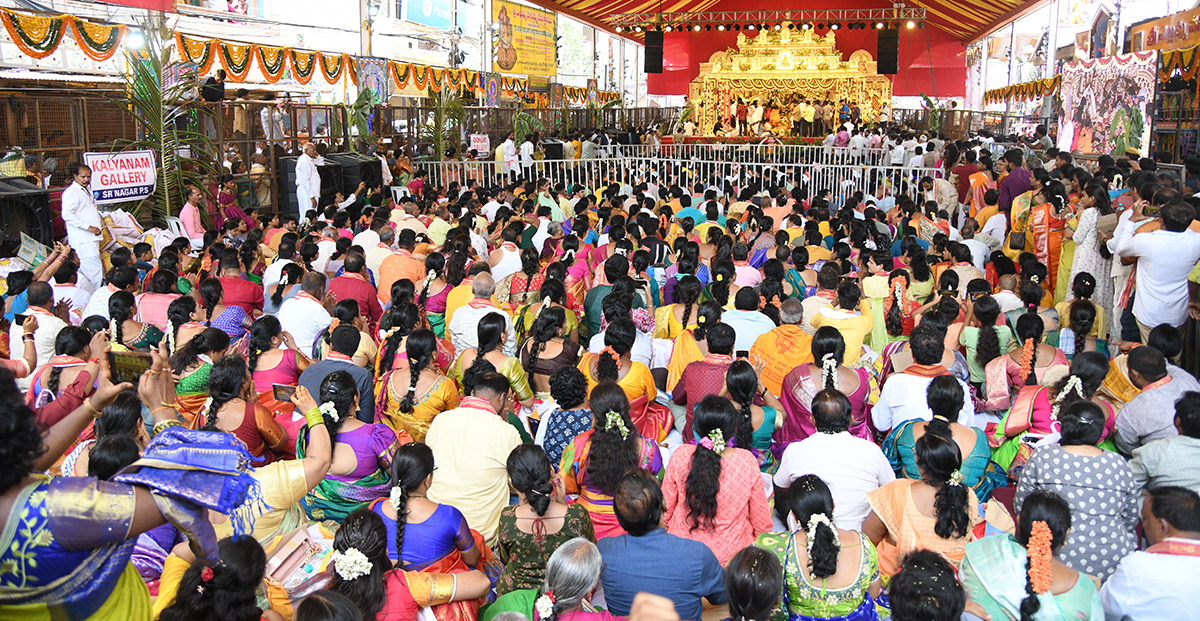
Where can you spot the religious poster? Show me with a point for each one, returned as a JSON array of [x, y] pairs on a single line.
[[593, 91], [491, 90], [372, 74], [527, 43], [1106, 104]]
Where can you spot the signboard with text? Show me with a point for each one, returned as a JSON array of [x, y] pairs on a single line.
[[122, 176], [481, 144], [526, 42], [1169, 33], [433, 13]]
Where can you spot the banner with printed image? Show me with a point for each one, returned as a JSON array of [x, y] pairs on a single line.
[[1106, 104], [526, 42]]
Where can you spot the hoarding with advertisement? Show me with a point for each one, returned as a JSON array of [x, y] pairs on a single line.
[[433, 13], [526, 41], [122, 176], [1169, 33]]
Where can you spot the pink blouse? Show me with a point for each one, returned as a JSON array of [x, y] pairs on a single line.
[[287, 372]]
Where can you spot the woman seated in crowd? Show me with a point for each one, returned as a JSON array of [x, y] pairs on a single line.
[[493, 332], [756, 424], [231, 320], [73, 348], [572, 575], [594, 461], [411, 395], [1017, 576], [754, 583], [273, 358], [945, 399], [126, 332], [363, 574], [232, 407], [983, 339], [551, 295], [1035, 410], [566, 415], [548, 349], [711, 489], [671, 320], [828, 572], [183, 322], [434, 292], [1024, 366], [614, 364], [540, 522], [1098, 485], [191, 590], [806, 380], [936, 512], [123, 418], [284, 290], [347, 313], [152, 305], [191, 364], [362, 453]]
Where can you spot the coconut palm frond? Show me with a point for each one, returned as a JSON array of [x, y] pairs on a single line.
[[445, 123], [169, 122]]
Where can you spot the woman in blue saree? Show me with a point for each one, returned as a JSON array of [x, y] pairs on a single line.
[[945, 397], [67, 541]]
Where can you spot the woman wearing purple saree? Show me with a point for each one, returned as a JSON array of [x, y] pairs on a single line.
[[806, 380]]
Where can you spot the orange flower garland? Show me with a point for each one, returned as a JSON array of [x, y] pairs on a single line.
[[1027, 359], [1041, 572]]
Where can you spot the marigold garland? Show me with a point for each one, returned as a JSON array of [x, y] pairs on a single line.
[[331, 73], [198, 51], [1027, 351], [98, 42], [235, 58], [272, 61], [1041, 571], [304, 64], [37, 36]]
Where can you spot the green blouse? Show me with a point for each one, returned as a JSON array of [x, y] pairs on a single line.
[[803, 598]]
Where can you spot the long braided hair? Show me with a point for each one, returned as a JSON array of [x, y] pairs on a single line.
[[742, 382], [211, 293], [71, 340], [546, 326], [687, 292], [1042, 512], [435, 264], [179, 312], [411, 465], [404, 319], [262, 333], [120, 310], [226, 382], [291, 275], [490, 332], [420, 348]]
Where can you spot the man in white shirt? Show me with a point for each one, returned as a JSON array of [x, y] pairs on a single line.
[[120, 278], [83, 227], [509, 151], [66, 290], [979, 250], [747, 321], [271, 275], [1160, 582], [464, 327], [381, 249], [305, 315], [852, 467], [308, 180], [40, 296], [370, 238], [903, 396], [1006, 295], [326, 246], [857, 145], [1165, 257], [344, 202], [527, 149]]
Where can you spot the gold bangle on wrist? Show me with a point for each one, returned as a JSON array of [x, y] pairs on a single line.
[[314, 417], [87, 403]]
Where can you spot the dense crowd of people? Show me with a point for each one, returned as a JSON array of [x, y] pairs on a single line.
[[660, 398]]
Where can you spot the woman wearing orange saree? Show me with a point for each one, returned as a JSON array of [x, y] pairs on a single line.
[[981, 182], [1047, 226], [432, 537]]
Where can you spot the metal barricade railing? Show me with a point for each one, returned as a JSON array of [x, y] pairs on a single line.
[[840, 179]]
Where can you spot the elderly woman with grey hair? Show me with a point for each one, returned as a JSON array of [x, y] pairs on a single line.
[[572, 575]]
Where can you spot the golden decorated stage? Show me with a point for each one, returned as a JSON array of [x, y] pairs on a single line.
[[784, 65]]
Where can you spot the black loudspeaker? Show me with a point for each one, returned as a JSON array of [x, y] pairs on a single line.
[[654, 52], [24, 208], [553, 149], [331, 183], [357, 168], [888, 51]]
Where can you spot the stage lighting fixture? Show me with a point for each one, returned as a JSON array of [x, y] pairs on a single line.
[[721, 27], [834, 26], [791, 26], [749, 26], [820, 26], [637, 29], [667, 28], [618, 29], [805, 26], [778, 26], [766, 26], [696, 28], [879, 25], [708, 27], [737, 27], [920, 24]]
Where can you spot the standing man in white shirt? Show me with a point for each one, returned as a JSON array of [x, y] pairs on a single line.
[[84, 227], [307, 314], [509, 150], [1165, 257], [308, 180]]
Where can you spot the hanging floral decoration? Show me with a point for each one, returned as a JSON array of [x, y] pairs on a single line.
[[99, 42], [235, 58], [272, 61], [303, 64]]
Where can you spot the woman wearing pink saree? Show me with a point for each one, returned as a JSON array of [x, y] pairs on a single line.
[[579, 277], [806, 380]]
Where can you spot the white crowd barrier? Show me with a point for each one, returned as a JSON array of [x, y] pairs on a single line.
[[839, 178]]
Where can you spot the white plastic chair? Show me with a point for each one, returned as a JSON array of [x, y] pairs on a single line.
[[175, 225]]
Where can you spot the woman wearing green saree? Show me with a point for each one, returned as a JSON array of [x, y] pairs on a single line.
[[360, 476]]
